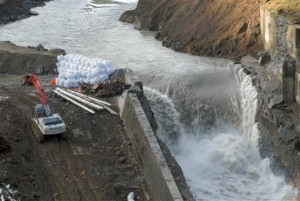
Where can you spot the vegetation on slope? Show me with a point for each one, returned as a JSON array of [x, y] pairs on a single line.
[[290, 9]]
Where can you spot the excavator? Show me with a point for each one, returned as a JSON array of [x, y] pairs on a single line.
[[43, 122]]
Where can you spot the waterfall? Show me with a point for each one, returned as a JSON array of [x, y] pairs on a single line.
[[218, 154], [169, 126], [249, 106], [222, 164]]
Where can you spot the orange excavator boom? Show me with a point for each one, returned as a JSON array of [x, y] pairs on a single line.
[[31, 79]]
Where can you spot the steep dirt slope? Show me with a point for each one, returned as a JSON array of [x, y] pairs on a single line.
[[225, 28]]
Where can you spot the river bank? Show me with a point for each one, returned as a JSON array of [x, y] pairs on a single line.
[[202, 28], [177, 72], [206, 28]]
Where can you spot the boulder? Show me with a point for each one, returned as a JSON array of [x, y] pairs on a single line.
[[264, 58], [32, 12]]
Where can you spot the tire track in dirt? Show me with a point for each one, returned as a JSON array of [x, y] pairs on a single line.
[[65, 171], [94, 162]]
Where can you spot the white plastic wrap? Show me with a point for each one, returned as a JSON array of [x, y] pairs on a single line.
[[74, 69]]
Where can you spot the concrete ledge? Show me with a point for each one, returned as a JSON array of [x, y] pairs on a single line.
[[158, 176], [268, 29], [293, 40]]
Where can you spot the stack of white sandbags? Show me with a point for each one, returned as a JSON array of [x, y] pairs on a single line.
[[74, 69]]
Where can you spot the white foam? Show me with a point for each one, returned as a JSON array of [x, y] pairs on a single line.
[[225, 163], [93, 5], [126, 1]]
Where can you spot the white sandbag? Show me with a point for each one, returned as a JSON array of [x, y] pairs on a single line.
[[110, 71], [60, 83], [74, 69], [130, 196], [105, 77], [103, 71], [107, 63], [60, 58], [101, 65]]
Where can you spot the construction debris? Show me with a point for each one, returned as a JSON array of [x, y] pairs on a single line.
[[105, 89]]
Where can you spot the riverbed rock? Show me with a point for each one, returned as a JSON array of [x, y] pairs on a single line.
[[13, 10], [264, 58], [40, 47], [32, 12]]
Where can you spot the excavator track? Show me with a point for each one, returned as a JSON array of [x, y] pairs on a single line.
[[36, 131]]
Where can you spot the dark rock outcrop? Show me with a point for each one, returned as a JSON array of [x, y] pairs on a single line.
[[12, 10]]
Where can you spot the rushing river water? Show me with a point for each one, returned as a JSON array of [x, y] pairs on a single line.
[[204, 110]]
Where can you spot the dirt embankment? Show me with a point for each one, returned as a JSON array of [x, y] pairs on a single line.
[[19, 60], [12, 10], [94, 161], [224, 28]]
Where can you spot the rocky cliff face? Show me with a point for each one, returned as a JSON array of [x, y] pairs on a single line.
[[278, 123], [12, 10], [224, 28]]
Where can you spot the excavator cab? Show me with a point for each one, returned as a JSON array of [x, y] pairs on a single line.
[[45, 126], [39, 111]]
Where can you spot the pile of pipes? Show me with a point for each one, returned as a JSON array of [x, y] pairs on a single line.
[[88, 103], [74, 69]]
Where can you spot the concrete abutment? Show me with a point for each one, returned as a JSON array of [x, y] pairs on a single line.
[[282, 40], [141, 132]]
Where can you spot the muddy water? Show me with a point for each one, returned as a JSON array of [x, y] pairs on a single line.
[[196, 100]]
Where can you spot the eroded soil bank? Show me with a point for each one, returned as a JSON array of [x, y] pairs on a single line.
[[19, 60], [212, 28]]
